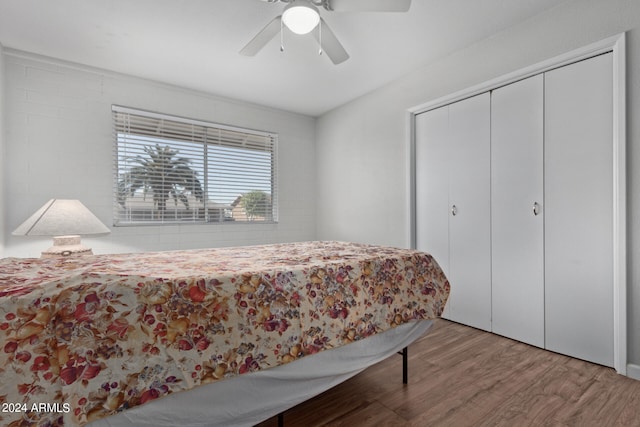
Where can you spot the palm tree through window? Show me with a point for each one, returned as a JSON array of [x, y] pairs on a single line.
[[172, 170]]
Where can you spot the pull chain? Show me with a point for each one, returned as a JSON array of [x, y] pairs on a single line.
[[281, 35], [320, 37]]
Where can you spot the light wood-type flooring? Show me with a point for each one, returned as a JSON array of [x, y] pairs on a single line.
[[460, 376]]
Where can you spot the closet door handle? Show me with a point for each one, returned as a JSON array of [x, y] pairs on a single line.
[[454, 210], [536, 208]]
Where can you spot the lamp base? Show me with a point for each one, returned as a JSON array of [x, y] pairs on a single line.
[[64, 246]]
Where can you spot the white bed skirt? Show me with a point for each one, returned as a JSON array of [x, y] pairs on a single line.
[[248, 399]]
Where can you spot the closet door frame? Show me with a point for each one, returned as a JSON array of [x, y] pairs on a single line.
[[616, 45]]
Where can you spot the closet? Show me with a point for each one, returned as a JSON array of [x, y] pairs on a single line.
[[514, 197], [455, 205]]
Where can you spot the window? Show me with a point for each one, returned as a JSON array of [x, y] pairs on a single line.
[[176, 170]]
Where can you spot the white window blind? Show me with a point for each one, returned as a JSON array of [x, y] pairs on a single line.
[[175, 170]]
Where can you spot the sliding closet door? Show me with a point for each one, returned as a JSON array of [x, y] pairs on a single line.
[[432, 186], [578, 211], [517, 211], [469, 211]]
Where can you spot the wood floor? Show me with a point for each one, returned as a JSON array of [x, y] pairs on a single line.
[[460, 376]]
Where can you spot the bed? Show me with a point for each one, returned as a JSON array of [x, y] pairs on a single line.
[[233, 335]]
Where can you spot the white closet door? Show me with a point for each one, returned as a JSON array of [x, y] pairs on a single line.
[[432, 186], [578, 211], [470, 210], [517, 211]]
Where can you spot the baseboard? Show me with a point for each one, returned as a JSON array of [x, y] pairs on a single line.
[[633, 371]]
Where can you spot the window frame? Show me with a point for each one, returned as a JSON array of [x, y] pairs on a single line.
[[263, 142]]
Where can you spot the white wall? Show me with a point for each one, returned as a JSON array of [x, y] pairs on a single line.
[[2, 169], [59, 144], [361, 147]]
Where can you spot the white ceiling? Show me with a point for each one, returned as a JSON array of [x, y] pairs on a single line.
[[195, 43]]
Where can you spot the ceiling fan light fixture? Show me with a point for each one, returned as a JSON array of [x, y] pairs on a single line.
[[301, 17]]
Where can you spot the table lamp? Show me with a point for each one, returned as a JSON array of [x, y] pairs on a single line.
[[65, 221]]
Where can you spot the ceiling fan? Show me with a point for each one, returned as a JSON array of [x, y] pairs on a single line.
[[302, 16]]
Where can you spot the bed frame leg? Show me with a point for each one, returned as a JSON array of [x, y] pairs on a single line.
[[281, 419], [405, 365]]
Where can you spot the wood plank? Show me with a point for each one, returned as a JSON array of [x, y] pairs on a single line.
[[374, 413], [461, 376]]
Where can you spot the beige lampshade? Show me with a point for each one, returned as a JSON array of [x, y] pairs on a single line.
[[66, 221], [59, 217]]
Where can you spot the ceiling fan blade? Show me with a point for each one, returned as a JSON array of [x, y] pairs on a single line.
[[370, 5], [330, 44], [263, 37]]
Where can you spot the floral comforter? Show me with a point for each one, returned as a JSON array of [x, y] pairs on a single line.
[[87, 337]]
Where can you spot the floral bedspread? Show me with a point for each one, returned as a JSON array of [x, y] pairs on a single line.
[[87, 337]]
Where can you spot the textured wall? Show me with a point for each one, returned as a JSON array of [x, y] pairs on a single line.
[[2, 169], [59, 144]]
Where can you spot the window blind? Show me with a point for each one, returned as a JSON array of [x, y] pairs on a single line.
[[176, 170]]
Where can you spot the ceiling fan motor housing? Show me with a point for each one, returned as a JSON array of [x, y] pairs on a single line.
[[318, 3]]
